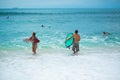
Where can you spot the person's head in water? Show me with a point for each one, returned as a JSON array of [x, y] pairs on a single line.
[[76, 31], [103, 32], [106, 33]]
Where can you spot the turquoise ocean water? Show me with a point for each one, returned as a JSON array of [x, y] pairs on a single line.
[[18, 24]]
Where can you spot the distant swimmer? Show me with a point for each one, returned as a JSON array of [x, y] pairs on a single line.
[[106, 33], [34, 41], [42, 25]]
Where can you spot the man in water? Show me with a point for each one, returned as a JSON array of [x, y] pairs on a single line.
[[105, 33], [34, 41], [76, 37]]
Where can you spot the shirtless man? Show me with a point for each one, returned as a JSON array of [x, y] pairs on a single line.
[[76, 37]]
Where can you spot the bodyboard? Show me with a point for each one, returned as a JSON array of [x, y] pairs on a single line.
[[69, 40]]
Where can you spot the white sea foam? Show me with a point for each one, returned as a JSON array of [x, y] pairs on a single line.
[[59, 65]]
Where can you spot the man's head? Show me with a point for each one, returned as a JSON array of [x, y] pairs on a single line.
[[76, 31], [34, 33]]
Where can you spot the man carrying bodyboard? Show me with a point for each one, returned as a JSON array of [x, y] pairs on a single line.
[[73, 40]]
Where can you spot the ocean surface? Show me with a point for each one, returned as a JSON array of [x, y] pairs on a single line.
[[18, 24], [98, 58]]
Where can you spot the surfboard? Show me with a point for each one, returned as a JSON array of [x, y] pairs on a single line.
[[69, 40]]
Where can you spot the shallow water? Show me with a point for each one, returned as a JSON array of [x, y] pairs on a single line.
[[58, 23]]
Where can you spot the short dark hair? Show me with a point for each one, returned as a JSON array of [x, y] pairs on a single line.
[[76, 31], [34, 33]]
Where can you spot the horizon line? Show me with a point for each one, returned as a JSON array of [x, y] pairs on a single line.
[[57, 8]]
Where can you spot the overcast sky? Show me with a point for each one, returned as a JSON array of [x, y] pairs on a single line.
[[59, 3]]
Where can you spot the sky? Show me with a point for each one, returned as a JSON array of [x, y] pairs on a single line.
[[59, 3]]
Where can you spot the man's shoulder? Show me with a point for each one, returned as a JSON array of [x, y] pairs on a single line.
[[76, 34]]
